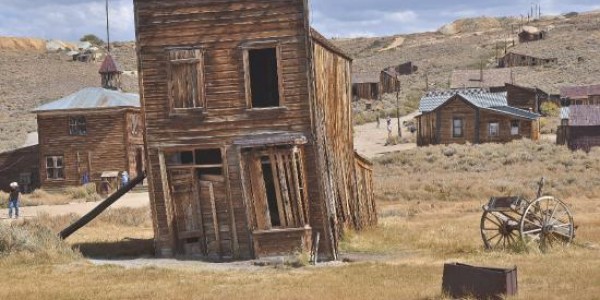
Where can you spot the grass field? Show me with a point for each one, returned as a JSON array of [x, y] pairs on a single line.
[[430, 205]]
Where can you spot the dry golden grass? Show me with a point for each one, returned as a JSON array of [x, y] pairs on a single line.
[[413, 240], [39, 197]]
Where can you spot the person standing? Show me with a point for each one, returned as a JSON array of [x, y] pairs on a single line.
[[124, 178], [13, 200]]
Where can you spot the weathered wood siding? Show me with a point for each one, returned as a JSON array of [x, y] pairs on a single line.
[[456, 108], [103, 148], [579, 137], [369, 91], [333, 118], [23, 161], [520, 60], [222, 29], [389, 84]]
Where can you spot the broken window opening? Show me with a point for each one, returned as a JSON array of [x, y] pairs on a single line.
[[494, 129], [208, 156], [514, 127], [54, 167], [77, 126], [264, 79]]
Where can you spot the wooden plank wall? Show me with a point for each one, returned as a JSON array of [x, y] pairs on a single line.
[[389, 84], [104, 143], [221, 28], [13, 163], [369, 91], [335, 133], [456, 108]]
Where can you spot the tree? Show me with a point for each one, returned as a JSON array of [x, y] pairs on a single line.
[[93, 39]]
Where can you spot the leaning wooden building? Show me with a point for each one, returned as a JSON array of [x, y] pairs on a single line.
[[248, 130]]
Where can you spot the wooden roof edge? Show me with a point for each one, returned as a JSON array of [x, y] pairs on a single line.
[[87, 111], [31, 147], [323, 41]]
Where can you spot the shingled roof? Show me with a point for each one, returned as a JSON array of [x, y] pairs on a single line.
[[109, 65], [579, 92], [462, 79], [481, 98]]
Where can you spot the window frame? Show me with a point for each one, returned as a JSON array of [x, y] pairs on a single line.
[[198, 61], [512, 127], [75, 126], [55, 167], [497, 124], [462, 127], [258, 45]]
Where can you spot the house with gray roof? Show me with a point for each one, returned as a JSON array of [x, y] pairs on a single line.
[[580, 126], [472, 116], [91, 135]]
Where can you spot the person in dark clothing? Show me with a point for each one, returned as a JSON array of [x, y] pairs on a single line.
[[13, 200]]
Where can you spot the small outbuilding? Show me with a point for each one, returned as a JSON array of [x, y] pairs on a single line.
[[531, 34], [515, 59], [21, 166], [472, 116], [526, 98], [580, 127], [366, 85]]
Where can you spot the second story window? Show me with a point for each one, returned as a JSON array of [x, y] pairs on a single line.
[[262, 74], [186, 79], [77, 125]]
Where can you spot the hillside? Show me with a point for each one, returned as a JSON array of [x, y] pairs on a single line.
[[29, 78], [468, 43]]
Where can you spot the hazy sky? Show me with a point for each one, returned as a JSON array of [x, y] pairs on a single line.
[[71, 19]]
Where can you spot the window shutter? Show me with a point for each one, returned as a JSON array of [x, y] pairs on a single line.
[[186, 79]]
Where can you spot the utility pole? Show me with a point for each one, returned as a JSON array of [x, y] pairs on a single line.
[[398, 106], [107, 29]]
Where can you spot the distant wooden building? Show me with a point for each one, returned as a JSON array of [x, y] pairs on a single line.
[[472, 116], [514, 59], [91, 135], [366, 85], [21, 166], [492, 79], [249, 131], [580, 127], [581, 95], [526, 98]]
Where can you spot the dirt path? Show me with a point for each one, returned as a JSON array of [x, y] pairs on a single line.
[[370, 140], [129, 200]]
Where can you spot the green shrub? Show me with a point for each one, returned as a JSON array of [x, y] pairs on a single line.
[[550, 109]]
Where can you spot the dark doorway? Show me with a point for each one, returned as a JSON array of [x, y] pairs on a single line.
[[271, 193], [263, 77]]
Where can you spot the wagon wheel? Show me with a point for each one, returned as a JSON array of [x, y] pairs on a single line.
[[547, 221], [498, 230]]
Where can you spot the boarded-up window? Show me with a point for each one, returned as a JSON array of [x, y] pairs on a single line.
[[77, 126], [457, 127], [54, 167], [263, 78], [186, 79], [276, 186]]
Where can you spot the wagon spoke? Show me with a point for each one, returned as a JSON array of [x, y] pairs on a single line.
[[494, 222], [490, 239], [532, 231]]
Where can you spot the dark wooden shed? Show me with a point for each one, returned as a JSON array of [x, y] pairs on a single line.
[[366, 85], [527, 98], [580, 127], [21, 166], [248, 130], [514, 59]]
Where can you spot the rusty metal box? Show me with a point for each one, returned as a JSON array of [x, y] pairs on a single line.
[[462, 280]]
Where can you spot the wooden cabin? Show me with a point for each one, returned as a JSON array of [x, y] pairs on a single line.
[[580, 127], [389, 77], [366, 85], [531, 34], [492, 79], [472, 116], [90, 134], [248, 130], [526, 98], [21, 166], [514, 59], [581, 95]]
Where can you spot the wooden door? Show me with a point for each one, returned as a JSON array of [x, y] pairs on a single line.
[[190, 231], [215, 216]]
